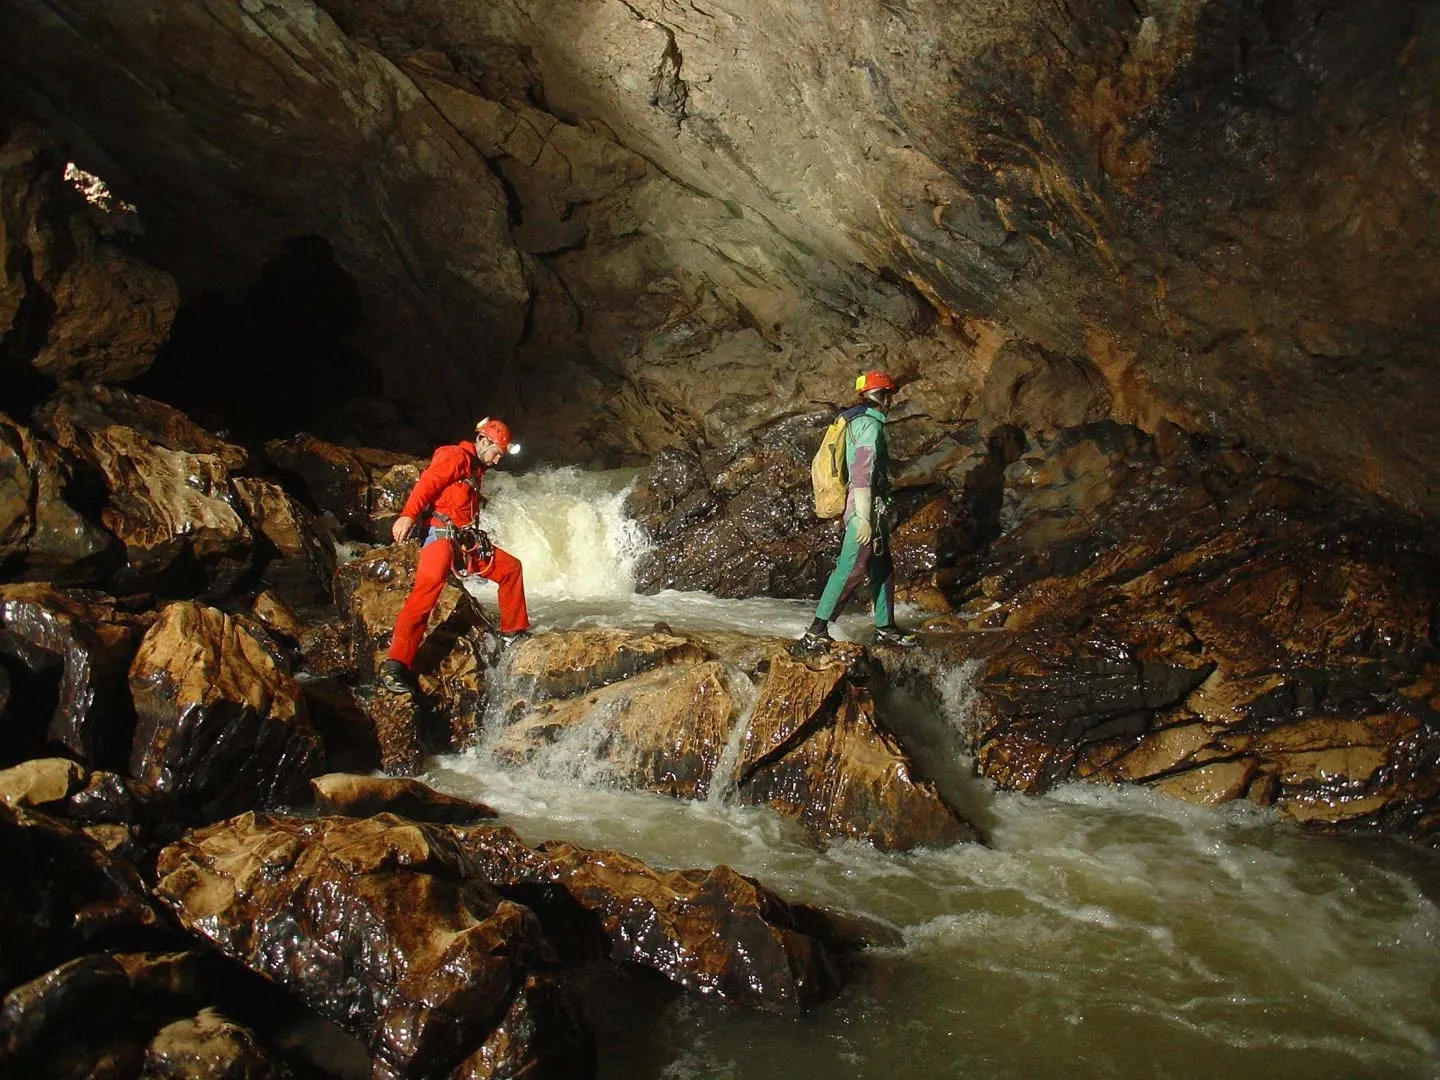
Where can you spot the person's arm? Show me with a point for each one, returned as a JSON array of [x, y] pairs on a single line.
[[447, 466]]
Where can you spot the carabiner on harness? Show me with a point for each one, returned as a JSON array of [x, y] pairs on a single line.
[[471, 551]]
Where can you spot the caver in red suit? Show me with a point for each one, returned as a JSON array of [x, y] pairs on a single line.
[[449, 489]]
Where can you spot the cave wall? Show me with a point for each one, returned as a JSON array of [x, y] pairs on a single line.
[[635, 224]]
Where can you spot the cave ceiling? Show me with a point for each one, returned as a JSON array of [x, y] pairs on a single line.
[[628, 224]]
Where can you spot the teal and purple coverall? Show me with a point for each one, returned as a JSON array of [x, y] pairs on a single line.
[[867, 461]]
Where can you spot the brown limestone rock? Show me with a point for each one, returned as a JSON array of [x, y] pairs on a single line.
[[93, 641], [303, 563], [715, 930], [374, 924], [567, 663], [73, 897], [168, 489], [1201, 622], [737, 522], [221, 726], [349, 795], [206, 1046], [657, 711], [278, 617], [363, 488], [816, 751], [94, 1016], [41, 535], [663, 729], [80, 406]]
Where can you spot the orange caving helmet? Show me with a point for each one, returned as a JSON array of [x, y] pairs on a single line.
[[874, 380], [496, 432]]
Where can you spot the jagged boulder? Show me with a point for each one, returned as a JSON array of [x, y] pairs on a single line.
[[377, 924], [363, 488], [816, 750], [92, 641], [222, 725], [711, 930], [168, 497], [658, 711], [122, 815], [42, 535], [300, 560]]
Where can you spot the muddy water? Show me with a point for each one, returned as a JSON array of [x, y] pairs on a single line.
[[1100, 933]]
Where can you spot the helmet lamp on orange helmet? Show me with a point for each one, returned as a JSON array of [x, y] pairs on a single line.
[[498, 433], [874, 386]]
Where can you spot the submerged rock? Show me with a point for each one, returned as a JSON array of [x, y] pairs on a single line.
[[365, 796]]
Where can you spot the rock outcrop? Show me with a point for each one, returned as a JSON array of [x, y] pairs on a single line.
[[662, 712], [665, 224]]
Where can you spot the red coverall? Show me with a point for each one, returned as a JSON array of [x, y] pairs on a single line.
[[450, 485]]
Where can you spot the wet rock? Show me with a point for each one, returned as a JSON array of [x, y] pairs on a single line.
[[221, 726], [375, 924], [349, 795], [815, 750], [72, 898], [1201, 622], [364, 488], [658, 711], [740, 524], [168, 496], [301, 562], [207, 1046], [37, 783], [715, 931], [67, 789], [335, 710], [42, 535], [92, 641], [278, 617], [128, 1014], [570, 663]]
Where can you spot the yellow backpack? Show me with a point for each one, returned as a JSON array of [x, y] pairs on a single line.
[[827, 467]]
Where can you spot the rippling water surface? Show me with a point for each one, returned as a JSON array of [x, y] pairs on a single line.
[[1102, 932]]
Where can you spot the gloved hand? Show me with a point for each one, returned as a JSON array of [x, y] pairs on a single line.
[[864, 506]]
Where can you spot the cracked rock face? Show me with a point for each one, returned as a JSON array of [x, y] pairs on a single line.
[[652, 224]]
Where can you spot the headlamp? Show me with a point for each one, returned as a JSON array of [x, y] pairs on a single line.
[[514, 448]]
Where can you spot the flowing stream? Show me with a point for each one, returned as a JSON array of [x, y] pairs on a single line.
[[1102, 932]]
